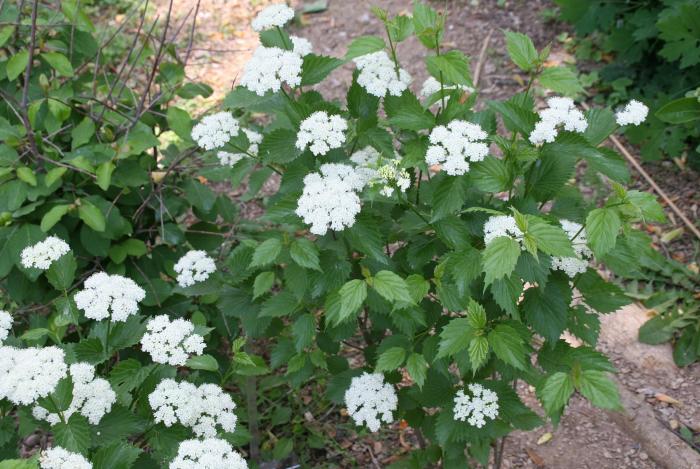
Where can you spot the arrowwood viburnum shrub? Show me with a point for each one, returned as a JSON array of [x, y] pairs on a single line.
[[170, 329]]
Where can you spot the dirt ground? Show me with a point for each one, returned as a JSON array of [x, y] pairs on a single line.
[[586, 437]]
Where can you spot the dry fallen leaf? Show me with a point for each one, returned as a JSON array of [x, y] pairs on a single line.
[[667, 399], [536, 458], [544, 438]]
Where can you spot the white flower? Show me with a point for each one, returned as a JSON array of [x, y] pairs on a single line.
[[374, 170], [322, 132], [59, 458], [44, 253], [230, 159], [561, 112], [193, 267], [215, 130], [483, 405], [329, 199], [371, 401], [31, 373], [210, 453], [269, 68], [106, 295], [634, 113], [432, 86], [171, 342], [274, 16], [501, 225], [455, 146], [574, 265], [5, 325], [92, 397], [379, 75], [199, 408], [301, 46], [368, 157]]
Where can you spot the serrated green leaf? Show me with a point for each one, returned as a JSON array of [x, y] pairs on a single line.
[[202, 362], [352, 295], [599, 389], [455, 337], [282, 304], [262, 284], [391, 286], [561, 80], [508, 346], [500, 257], [73, 435], [556, 391], [305, 253], [417, 368], [266, 252], [602, 228], [478, 352], [391, 359], [521, 50], [364, 45]]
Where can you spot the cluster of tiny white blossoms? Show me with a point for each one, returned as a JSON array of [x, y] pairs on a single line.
[[392, 174], [379, 75], [375, 170], [44, 253], [330, 198], [59, 458], [322, 132], [193, 267], [171, 342], [104, 295], [209, 453], [574, 265], [476, 409], [199, 408], [432, 86], [92, 397], [269, 68], [5, 325], [230, 159], [561, 112], [501, 225], [30, 373], [215, 130], [634, 113], [301, 46], [273, 16], [370, 400], [455, 145]]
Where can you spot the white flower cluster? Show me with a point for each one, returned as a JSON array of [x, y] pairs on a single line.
[[104, 294], [501, 225], [390, 175], [432, 86], [370, 400], [43, 253], [574, 265], [269, 68], [379, 75], [330, 198], [5, 325], [373, 169], [483, 405], [30, 373], [59, 458], [210, 453], [92, 397], [193, 267], [301, 46], [199, 408], [455, 145], [561, 112], [322, 132], [634, 113], [171, 342], [215, 130], [274, 16], [230, 159]]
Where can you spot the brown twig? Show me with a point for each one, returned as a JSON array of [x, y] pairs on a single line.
[[482, 58]]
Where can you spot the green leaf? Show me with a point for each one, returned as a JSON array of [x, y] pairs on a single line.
[[561, 80], [417, 368], [448, 196], [352, 295], [73, 435], [316, 68], [364, 45], [556, 392], [61, 397], [104, 174], [58, 62], [92, 216], [508, 346], [279, 146], [54, 175], [305, 254], [680, 111], [17, 64], [546, 308], [180, 122], [600, 295], [601, 124], [550, 239], [478, 352], [455, 337], [500, 257], [303, 331], [266, 253], [118, 455], [53, 216], [262, 284], [282, 304], [202, 362], [27, 175], [452, 66], [391, 286], [521, 50], [199, 195], [61, 273], [599, 389], [406, 112], [19, 464], [82, 133], [602, 228], [476, 314], [391, 359], [491, 175]]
